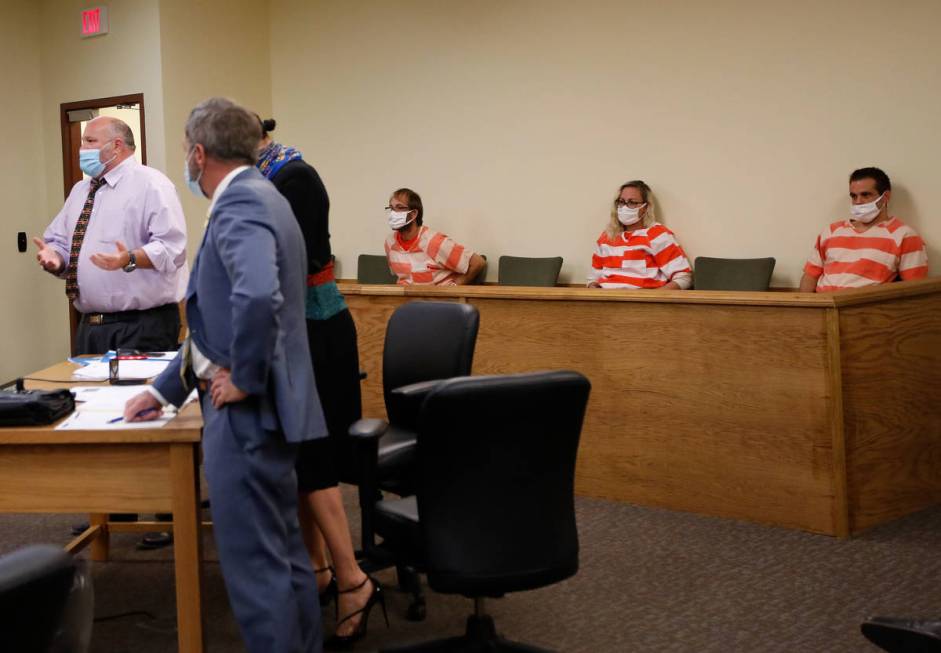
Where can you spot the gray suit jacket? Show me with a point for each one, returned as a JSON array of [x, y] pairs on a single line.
[[245, 307]]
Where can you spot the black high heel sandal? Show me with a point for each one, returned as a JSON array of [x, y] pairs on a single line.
[[340, 642], [329, 592]]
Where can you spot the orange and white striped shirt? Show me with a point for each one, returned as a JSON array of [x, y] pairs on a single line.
[[845, 258], [643, 258], [429, 258]]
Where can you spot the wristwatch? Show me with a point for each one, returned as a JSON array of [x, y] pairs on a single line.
[[131, 262]]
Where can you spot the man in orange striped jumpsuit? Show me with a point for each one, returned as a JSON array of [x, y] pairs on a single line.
[[869, 248]]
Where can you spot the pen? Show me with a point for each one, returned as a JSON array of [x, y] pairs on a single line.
[[139, 414]]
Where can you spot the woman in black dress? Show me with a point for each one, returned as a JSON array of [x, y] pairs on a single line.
[[333, 351]]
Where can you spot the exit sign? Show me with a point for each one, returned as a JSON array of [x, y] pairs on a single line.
[[94, 21]]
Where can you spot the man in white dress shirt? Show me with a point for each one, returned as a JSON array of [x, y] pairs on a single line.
[[120, 243]]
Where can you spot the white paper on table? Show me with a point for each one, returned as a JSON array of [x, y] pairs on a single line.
[[127, 369], [94, 420], [96, 371], [113, 397], [110, 394], [109, 398]]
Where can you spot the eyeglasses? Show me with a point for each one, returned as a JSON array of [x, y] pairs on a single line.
[[631, 204], [398, 208]]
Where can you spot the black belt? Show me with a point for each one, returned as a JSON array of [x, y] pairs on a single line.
[[95, 319]]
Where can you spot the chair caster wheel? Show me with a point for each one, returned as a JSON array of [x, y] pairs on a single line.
[[416, 612]]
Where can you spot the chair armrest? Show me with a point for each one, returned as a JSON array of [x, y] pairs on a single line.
[[368, 429], [404, 403], [364, 438], [416, 390]]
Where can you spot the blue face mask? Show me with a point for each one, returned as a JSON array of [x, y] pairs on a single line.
[[90, 162], [192, 184]]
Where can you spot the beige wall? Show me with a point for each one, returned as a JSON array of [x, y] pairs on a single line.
[[31, 304], [516, 121], [62, 67], [209, 48]]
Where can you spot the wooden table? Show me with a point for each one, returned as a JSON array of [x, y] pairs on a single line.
[[113, 471], [816, 412]]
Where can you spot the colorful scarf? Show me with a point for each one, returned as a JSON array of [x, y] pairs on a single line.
[[273, 158]]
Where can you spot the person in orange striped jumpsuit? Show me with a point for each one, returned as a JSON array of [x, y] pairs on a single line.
[[420, 255], [635, 251]]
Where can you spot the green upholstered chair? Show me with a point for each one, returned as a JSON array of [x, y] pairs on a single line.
[[526, 271], [733, 273], [374, 268]]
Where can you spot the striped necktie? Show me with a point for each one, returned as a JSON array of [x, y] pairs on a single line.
[[71, 273]]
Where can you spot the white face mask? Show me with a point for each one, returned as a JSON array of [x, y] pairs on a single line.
[[866, 213], [398, 219], [628, 216]]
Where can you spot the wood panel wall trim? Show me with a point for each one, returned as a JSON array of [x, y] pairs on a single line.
[[888, 291], [560, 293], [707, 297], [840, 504]]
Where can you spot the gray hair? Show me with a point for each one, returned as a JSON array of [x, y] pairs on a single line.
[[228, 131], [119, 129]]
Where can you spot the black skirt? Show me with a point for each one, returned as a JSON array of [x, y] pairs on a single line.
[[323, 463]]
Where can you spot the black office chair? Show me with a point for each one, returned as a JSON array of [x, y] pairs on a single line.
[[526, 271], [425, 341], [733, 273], [36, 584], [496, 492], [904, 635], [374, 268]]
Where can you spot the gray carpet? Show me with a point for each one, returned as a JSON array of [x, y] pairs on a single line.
[[650, 580]]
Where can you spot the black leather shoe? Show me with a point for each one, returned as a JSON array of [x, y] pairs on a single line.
[[155, 541], [903, 635]]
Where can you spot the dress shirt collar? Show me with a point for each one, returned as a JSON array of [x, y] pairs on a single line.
[[223, 185], [113, 176]]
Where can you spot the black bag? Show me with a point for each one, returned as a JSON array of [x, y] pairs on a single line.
[[34, 407]]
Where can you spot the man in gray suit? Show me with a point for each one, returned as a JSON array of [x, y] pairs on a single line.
[[247, 353]]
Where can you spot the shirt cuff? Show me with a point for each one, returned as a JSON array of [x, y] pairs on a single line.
[[159, 258], [156, 394]]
